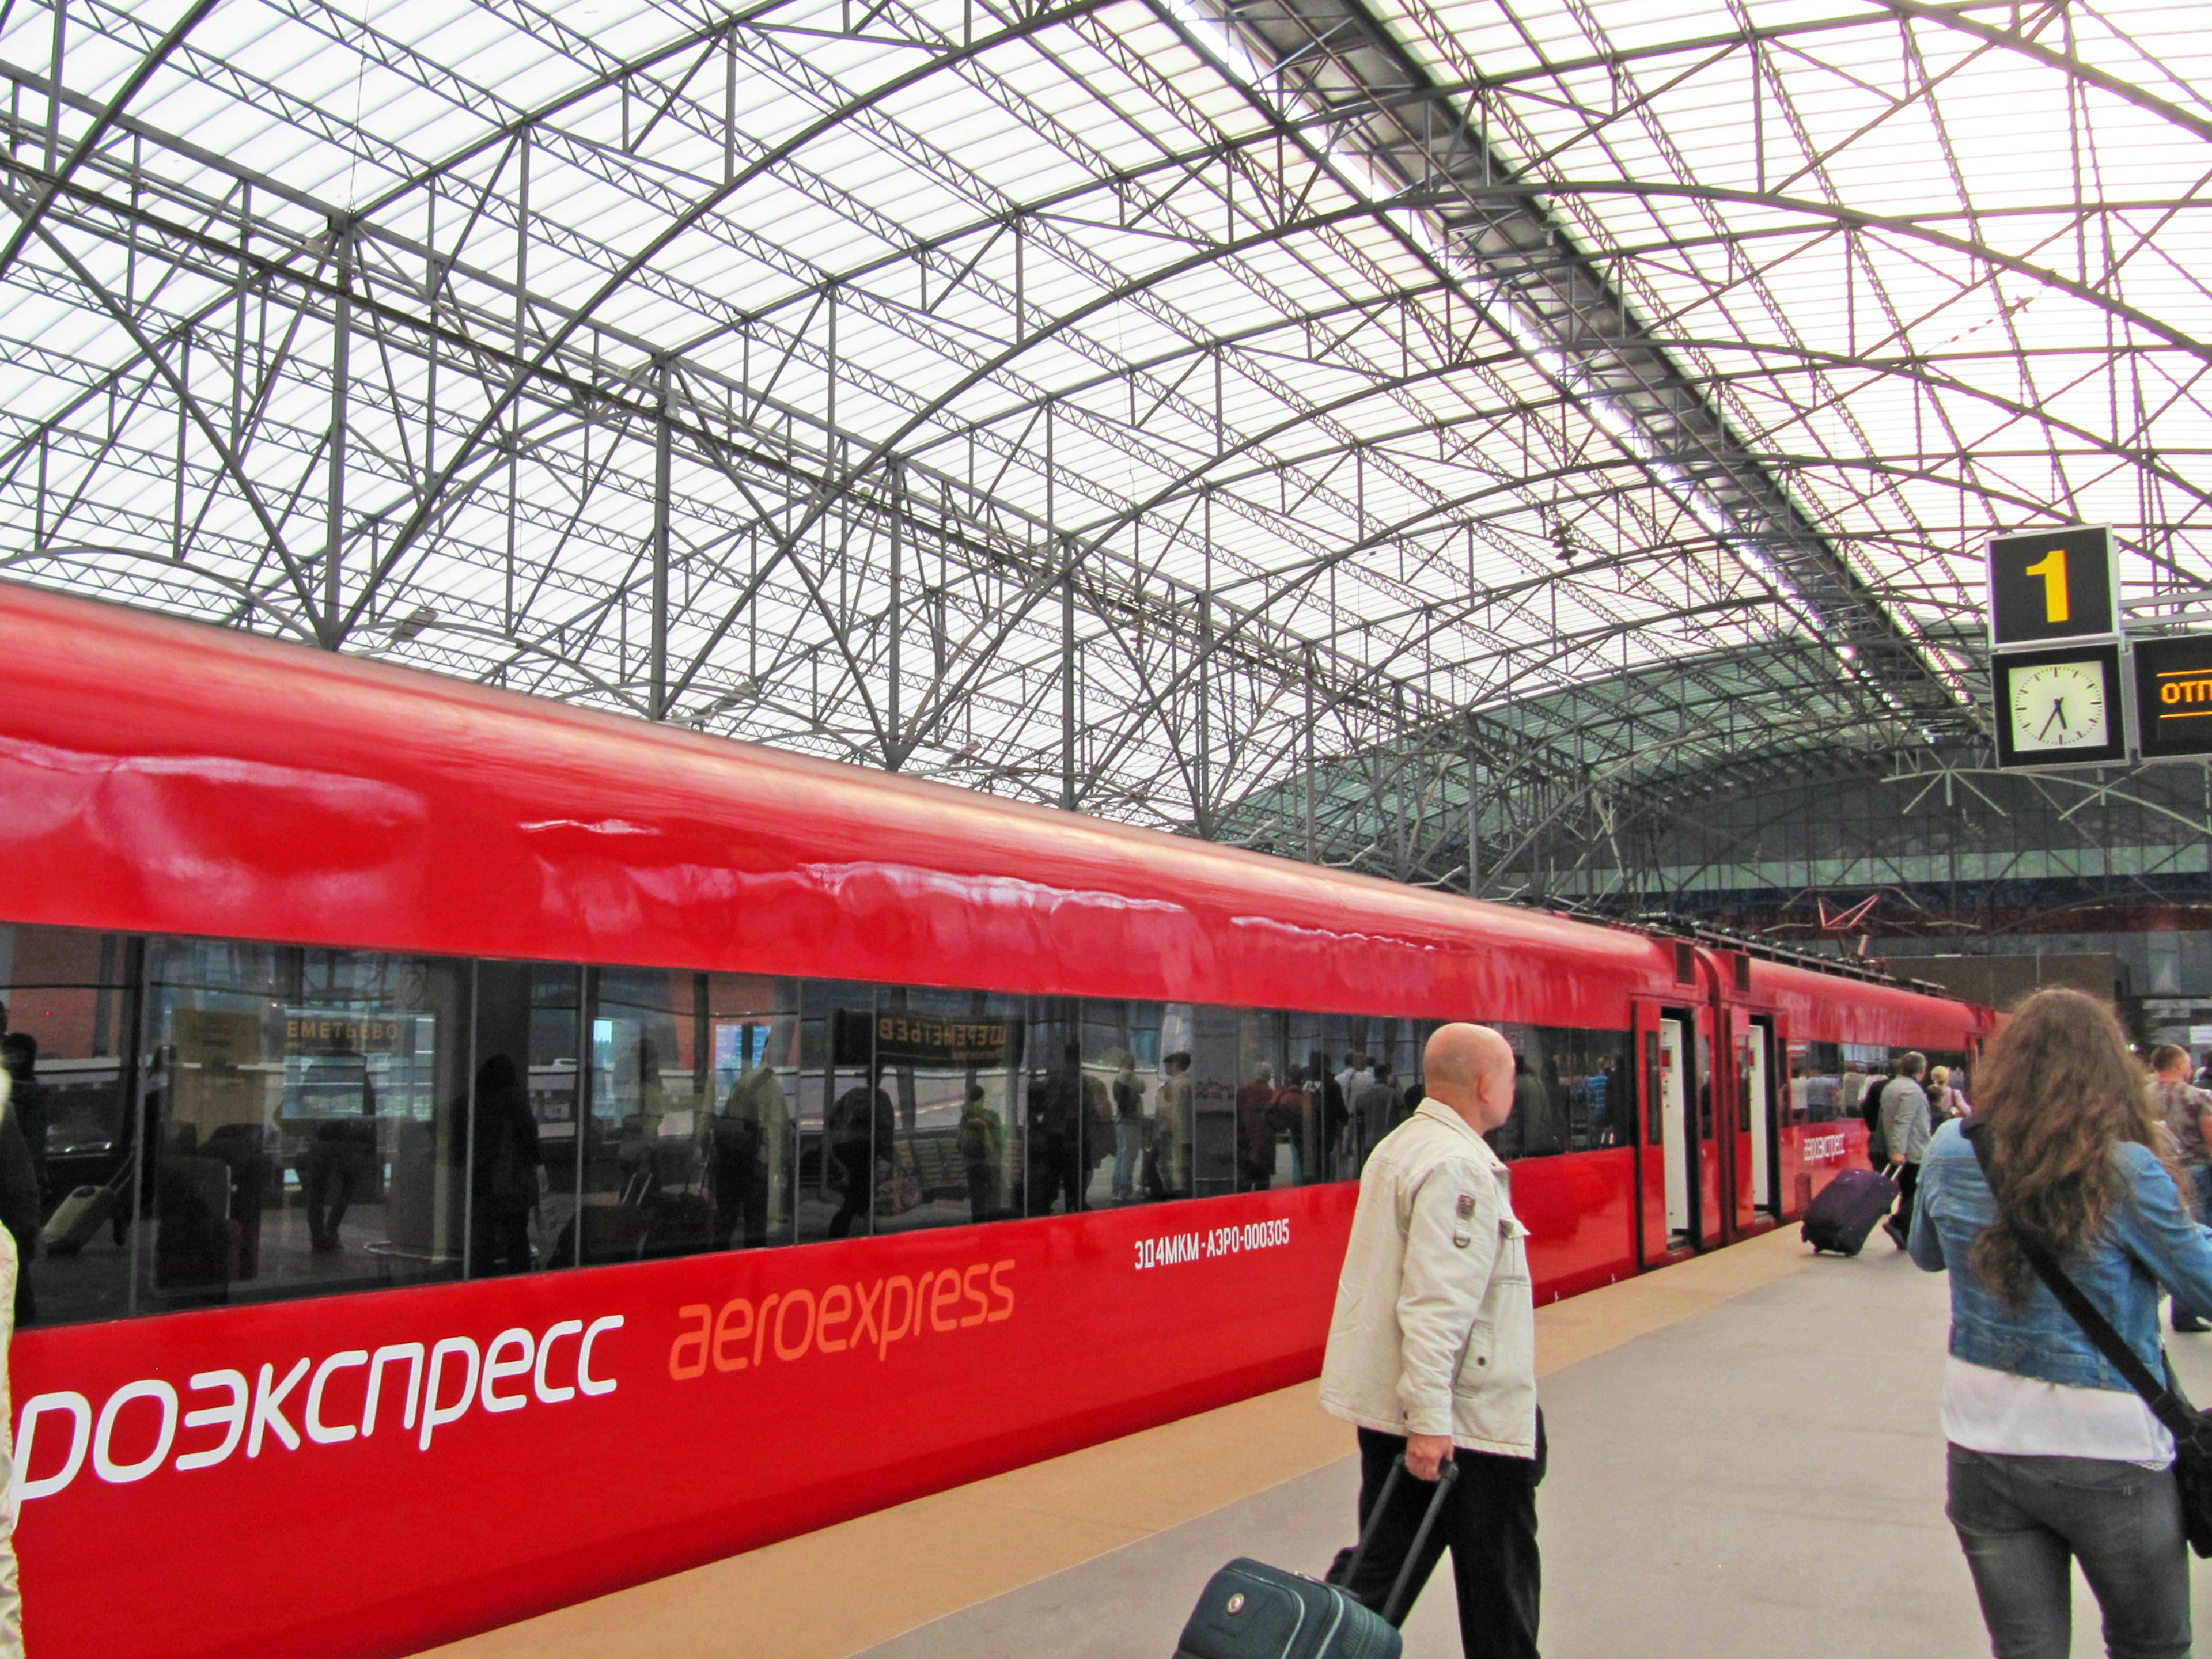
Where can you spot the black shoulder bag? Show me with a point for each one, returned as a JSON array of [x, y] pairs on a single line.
[[2191, 1429]]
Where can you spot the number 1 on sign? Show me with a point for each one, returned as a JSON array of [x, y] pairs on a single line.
[[2053, 568]]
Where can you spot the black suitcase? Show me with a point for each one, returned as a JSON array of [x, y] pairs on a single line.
[[1253, 1611], [1840, 1219]]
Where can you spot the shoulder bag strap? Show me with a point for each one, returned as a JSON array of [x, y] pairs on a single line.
[[2167, 1406]]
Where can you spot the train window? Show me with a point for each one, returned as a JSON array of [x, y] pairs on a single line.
[[948, 1065], [1571, 1091], [845, 1117], [749, 1137], [649, 1097], [66, 1027], [1818, 1090], [307, 1111], [312, 1121]]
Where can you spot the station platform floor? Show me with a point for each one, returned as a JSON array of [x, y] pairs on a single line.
[[1745, 1462]]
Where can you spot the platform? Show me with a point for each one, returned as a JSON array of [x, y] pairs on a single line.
[[1745, 1461]]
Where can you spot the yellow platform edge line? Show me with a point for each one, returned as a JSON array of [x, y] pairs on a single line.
[[831, 1593]]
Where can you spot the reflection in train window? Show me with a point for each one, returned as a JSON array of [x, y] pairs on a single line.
[[66, 1029], [308, 1117], [311, 1119]]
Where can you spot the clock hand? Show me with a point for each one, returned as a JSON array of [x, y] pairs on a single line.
[[2058, 713]]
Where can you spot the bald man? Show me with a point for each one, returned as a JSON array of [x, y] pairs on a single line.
[[1432, 1350]]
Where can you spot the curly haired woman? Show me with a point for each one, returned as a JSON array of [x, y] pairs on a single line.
[[2053, 1458]]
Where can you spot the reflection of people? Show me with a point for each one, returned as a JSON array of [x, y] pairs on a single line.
[[2186, 1113], [2053, 1458], [747, 1141], [1059, 1103], [1432, 1350], [1255, 1130], [1374, 1104], [1129, 1124], [336, 1167], [982, 1138], [503, 1170], [1335, 1113], [1532, 1116], [12, 1277], [1172, 1124], [855, 1132], [19, 1057], [18, 1208]]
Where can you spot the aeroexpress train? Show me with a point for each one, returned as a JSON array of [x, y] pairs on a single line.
[[493, 1153]]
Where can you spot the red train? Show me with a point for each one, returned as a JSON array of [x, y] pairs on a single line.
[[444, 1069]]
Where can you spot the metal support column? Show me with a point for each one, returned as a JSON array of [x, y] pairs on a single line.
[[334, 508], [658, 694]]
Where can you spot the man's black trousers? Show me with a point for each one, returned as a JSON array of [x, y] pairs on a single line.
[[1490, 1524]]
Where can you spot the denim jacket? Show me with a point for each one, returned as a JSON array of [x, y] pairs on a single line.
[[2150, 1240]]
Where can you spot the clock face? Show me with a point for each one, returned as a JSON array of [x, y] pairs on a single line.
[[2059, 705]]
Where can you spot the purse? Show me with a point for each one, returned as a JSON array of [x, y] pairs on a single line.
[[2191, 1429]]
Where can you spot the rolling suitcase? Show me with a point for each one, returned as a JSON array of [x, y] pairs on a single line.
[[1253, 1611], [81, 1214], [1840, 1219]]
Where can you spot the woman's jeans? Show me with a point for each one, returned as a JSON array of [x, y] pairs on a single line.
[[2022, 1522]]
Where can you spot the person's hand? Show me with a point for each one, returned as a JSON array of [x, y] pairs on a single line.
[[1427, 1454]]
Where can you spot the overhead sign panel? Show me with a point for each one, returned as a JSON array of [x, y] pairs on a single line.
[[2173, 697], [2050, 586]]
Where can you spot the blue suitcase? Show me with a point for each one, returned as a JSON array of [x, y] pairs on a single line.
[[1253, 1611]]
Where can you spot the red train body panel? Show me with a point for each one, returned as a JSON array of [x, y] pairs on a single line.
[[163, 778]]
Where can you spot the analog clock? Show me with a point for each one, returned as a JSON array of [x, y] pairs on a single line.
[[2059, 705]]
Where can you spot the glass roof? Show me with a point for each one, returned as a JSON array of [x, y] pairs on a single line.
[[1129, 403]]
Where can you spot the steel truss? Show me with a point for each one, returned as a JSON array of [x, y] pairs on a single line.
[[1384, 435]]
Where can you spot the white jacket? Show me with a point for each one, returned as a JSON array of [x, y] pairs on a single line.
[[1435, 1329]]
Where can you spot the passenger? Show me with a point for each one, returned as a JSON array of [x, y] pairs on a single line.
[[1868, 1105], [1944, 1102], [1128, 1093], [747, 1142], [1059, 1101], [2186, 1112], [2053, 1458], [1294, 1117], [1374, 1105], [982, 1140], [336, 1167], [1334, 1111], [1171, 1124], [1435, 1258], [12, 1280], [1256, 1131], [1356, 1067], [1905, 1135], [503, 1168], [860, 1128], [19, 1058], [20, 1216]]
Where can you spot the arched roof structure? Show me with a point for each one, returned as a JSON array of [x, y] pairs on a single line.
[[1161, 407]]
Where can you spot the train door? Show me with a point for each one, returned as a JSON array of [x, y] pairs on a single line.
[[1707, 1152], [1757, 1133], [1673, 1130]]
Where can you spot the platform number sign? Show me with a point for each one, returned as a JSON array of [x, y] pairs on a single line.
[[2052, 585]]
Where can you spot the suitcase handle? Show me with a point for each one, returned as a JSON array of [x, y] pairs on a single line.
[[1392, 1611]]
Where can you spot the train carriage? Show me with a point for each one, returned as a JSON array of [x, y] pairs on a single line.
[[550, 1150]]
